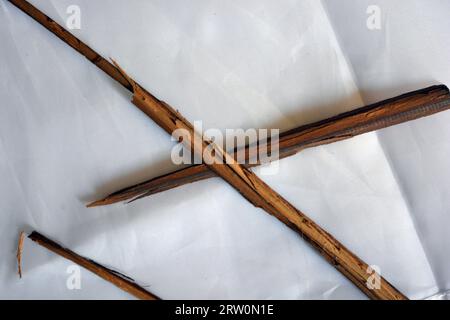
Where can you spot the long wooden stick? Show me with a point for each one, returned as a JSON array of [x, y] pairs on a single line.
[[247, 183], [109, 275], [409, 106]]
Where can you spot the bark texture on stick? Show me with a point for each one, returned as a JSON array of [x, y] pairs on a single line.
[[247, 183], [407, 107], [109, 275]]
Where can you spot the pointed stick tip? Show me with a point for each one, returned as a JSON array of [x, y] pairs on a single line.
[[103, 202], [94, 204]]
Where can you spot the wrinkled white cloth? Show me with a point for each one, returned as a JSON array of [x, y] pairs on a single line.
[[69, 134]]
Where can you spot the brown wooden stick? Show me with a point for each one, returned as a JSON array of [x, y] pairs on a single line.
[[247, 183], [109, 275], [409, 106]]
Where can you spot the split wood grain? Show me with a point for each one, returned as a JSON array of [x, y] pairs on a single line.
[[242, 179]]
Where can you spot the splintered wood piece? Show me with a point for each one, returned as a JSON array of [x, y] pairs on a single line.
[[119, 280], [243, 180], [407, 107], [19, 253]]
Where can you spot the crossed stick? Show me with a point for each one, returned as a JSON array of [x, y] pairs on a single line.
[[241, 178]]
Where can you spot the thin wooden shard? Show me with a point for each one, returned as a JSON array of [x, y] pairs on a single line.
[[19, 252]]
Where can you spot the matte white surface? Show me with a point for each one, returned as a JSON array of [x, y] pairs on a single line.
[[68, 135]]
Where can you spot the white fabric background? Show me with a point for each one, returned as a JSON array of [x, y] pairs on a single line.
[[68, 135]]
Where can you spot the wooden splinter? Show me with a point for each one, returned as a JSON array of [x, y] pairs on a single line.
[[243, 180], [19, 253]]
